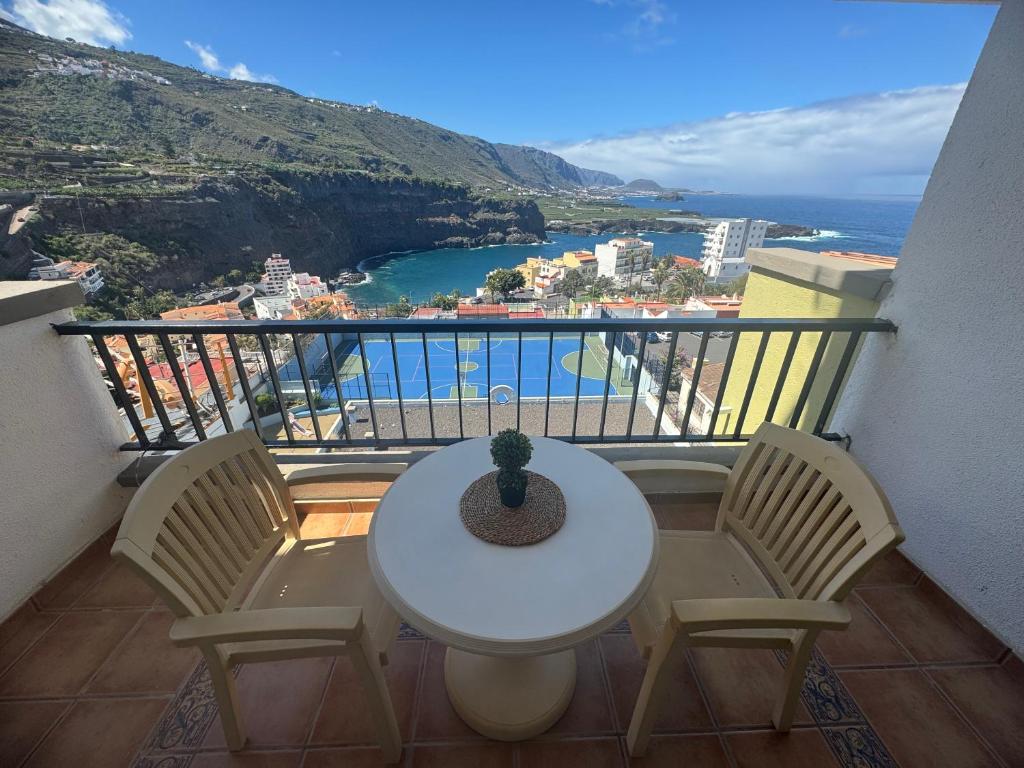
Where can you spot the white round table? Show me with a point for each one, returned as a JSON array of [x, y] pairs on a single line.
[[511, 616]]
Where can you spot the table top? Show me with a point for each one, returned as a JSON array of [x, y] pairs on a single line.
[[487, 598]]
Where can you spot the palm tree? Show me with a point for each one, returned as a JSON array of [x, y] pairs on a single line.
[[632, 263], [661, 272], [645, 262], [600, 287], [687, 282]]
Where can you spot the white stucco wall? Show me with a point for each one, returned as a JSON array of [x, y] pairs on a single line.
[[59, 458], [937, 413]]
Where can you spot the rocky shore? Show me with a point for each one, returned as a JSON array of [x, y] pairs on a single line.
[[635, 226]]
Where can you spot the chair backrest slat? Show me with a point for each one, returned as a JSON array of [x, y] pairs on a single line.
[[811, 516], [202, 526]]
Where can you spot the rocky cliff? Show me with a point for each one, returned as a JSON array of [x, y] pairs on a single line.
[[323, 222]]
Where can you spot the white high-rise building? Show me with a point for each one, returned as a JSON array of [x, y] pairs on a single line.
[[614, 256], [275, 279], [725, 248]]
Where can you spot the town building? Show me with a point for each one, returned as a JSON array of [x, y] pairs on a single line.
[[622, 255], [703, 401], [725, 247], [542, 276], [227, 310], [272, 307], [684, 262], [87, 274], [329, 306], [584, 261], [715, 306], [302, 285], [275, 278]]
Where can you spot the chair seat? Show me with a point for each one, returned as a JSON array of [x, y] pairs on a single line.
[[315, 573], [704, 564]]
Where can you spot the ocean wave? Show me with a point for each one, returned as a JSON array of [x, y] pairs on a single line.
[[823, 234]]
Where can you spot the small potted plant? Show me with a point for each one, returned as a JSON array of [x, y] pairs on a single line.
[[511, 451]]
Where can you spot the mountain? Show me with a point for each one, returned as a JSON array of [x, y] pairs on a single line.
[[643, 185], [68, 93]]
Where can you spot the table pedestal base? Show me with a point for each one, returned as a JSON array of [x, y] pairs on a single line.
[[510, 698]]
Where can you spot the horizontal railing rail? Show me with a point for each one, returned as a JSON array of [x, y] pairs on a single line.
[[326, 384]]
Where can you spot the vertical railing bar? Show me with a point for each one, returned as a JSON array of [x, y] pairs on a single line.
[[547, 397], [837, 381], [722, 384], [636, 385], [694, 383], [430, 394], [337, 385], [147, 381], [369, 386], [183, 390], [607, 385], [754, 371], [306, 388], [489, 382], [579, 379], [243, 379], [665, 383], [780, 382], [398, 387], [119, 388], [275, 382], [519, 382], [812, 373], [458, 384], [211, 378]]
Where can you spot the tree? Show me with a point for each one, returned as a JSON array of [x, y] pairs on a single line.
[[645, 262], [442, 301], [504, 281], [632, 264], [661, 273], [687, 282], [600, 287], [402, 309], [737, 286], [573, 283]]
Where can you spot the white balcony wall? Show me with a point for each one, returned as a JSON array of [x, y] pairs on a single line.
[[59, 438], [937, 411]]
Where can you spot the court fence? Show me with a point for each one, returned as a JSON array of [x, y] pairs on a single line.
[[604, 380]]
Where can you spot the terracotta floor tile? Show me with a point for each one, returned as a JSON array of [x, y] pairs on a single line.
[[20, 630], [931, 625], [683, 708], [119, 587], [864, 642], [804, 748], [676, 751], [99, 733], [347, 757], [582, 753], [277, 759], [343, 718], [279, 701], [589, 711], [359, 525], [68, 654], [992, 699], [489, 755], [147, 662], [892, 569], [23, 725], [742, 685], [436, 719], [77, 577], [913, 720], [324, 525]]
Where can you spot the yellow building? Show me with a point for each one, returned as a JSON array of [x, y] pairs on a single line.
[[537, 266], [791, 283], [579, 260]]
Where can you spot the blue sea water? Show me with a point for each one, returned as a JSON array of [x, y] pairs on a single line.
[[875, 225]]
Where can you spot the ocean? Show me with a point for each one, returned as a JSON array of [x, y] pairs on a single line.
[[871, 224]]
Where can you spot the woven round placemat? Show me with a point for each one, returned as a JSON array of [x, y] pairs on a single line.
[[487, 518]]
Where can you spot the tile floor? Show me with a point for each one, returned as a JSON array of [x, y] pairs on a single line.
[[88, 678]]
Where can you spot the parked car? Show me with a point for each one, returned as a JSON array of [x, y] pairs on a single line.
[[664, 335]]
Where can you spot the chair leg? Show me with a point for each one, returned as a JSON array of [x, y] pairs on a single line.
[[666, 655], [364, 659], [793, 681], [227, 699]]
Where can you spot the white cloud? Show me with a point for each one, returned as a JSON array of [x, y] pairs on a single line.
[[643, 30], [87, 21], [873, 143], [849, 31], [211, 62]]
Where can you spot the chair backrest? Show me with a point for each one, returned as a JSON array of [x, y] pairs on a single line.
[[203, 525], [808, 512]]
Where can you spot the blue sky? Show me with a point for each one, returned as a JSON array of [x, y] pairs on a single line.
[[597, 80]]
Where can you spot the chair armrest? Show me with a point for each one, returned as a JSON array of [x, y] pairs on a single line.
[[672, 465], [707, 615], [269, 624], [336, 473]]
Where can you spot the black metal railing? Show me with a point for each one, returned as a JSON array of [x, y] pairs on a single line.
[[343, 383]]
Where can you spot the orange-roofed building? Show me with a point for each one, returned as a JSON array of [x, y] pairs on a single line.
[[482, 311], [529, 314], [723, 306], [682, 262], [332, 305], [227, 310]]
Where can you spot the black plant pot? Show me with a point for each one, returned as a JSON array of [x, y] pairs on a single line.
[[512, 488]]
